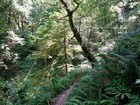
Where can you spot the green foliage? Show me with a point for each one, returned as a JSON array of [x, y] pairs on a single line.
[[25, 92], [61, 84], [110, 82], [115, 79], [86, 90], [128, 47], [1, 92], [134, 100], [47, 91], [4, 6]]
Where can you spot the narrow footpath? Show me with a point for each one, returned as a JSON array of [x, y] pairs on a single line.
[[62, 98]]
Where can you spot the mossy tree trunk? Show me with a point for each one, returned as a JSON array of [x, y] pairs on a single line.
[[76, 33]]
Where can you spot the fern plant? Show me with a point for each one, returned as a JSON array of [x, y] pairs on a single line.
[[86, 91]]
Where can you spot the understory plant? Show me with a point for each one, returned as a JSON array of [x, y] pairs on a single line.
[[112, 81], [19, 92]]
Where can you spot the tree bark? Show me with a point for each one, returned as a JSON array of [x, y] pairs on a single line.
[[65, 51], [76, 33], [28, 73]]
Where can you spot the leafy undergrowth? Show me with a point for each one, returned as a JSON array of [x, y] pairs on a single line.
[[95, 90], [115, 80], [26, 92]]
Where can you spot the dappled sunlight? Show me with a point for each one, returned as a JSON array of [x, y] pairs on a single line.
[[25, 7], [69, 52]]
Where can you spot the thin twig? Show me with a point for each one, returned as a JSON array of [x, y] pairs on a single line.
[[28, 73]]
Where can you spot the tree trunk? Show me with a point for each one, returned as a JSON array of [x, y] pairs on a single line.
[[77, 35], [65, 51]]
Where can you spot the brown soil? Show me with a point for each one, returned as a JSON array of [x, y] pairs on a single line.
[[62, 98]]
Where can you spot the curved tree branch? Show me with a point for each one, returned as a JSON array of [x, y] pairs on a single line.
[[76, 33]]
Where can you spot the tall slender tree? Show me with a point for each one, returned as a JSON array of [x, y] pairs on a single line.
[[76, 33]]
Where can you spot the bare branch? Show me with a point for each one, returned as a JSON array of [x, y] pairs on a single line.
[[75, 2], [40, 20], [62, 18], [37, 23], [69, 40], [28, 73], [75, 8], [65, 5], [78, 4]]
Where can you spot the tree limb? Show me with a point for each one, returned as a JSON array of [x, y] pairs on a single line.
[[76, 6], [77, 35], [28, 73], [38, 22], [65, 5]]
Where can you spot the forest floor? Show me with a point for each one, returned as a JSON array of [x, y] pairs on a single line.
[[62, 98]]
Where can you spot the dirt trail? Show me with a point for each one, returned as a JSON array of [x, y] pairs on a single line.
[[62, 98]]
